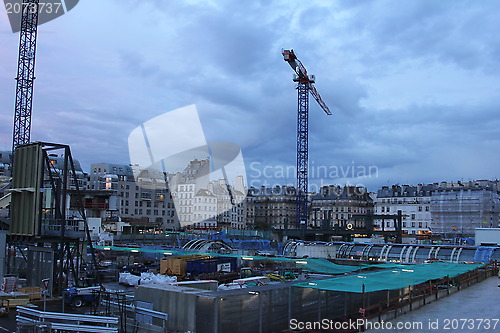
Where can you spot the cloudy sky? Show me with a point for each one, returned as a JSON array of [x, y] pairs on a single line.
[[413, 85]]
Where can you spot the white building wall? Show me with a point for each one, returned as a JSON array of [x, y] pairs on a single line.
[[416, 212], [487, 236]]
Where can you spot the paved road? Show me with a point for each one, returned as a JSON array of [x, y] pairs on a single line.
[[480, 301]]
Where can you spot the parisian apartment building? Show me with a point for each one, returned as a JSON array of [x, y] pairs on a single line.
[[271, 207], [338, 206], [451, 209], [204, 201], [459, 208], [171, 201], [146, 199], [190, 199], [414, 202]]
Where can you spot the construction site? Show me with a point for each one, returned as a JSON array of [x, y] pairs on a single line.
[[58, 277]]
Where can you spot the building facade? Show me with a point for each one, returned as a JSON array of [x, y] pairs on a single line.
[[336, 206], [459, 208], [271, 207], [146, 199], [207, 203], [184, 200], [414, 202]]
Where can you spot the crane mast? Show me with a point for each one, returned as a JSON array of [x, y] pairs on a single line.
[[25, 73], [305, 86]]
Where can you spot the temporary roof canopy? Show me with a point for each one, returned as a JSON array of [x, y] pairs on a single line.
[[391, 279]]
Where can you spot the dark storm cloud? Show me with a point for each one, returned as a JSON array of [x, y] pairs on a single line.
[[460, 32], [411, 83]]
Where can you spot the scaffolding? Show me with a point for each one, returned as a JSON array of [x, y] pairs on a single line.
[[458, 211]]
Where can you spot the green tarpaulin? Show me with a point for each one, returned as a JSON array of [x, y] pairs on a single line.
[[320, 265], [313, 265], [392, 278]]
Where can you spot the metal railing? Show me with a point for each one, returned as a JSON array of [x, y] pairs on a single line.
[[67, 322], [418, 296], [131, 316]]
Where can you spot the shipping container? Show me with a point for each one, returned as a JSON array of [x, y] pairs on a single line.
[[177, 265], [220, 264]]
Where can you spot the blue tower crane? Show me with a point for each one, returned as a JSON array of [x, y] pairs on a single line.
[[305, 84]]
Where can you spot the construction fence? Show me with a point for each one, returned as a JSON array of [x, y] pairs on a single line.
[[272, 307]]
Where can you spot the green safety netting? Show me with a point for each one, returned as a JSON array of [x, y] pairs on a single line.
[[313, 265], [391, 279], [320, 265]]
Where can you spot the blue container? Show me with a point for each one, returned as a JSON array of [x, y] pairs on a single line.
[[212, 265]]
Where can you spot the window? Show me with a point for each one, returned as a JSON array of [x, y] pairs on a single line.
[[412, 216]]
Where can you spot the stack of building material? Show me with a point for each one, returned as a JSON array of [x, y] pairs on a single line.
[[34, 293]]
